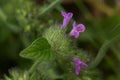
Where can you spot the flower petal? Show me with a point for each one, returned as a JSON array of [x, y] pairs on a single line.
[[70, 14], [65, 22], [78, 65], [76, 34], [67, 17], [77, 70], [80, 28], [74, 24], [83, 65], [63, 13], [71, 33]]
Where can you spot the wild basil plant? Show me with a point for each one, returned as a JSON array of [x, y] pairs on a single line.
[[53, 55], [53, 48]]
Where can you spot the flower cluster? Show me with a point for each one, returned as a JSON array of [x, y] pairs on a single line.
[[77, 29]]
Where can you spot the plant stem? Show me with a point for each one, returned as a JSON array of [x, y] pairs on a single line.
[[34, 66]]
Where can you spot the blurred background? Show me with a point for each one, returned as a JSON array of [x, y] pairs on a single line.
[[22, 21]]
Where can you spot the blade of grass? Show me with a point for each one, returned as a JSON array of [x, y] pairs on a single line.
[[12, 27], [115, 51], [111, 64], [50, 7], [102, 51]]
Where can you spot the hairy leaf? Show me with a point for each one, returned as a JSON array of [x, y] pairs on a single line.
[[39, 49]]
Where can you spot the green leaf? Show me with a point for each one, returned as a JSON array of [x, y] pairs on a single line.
[[39, 49]]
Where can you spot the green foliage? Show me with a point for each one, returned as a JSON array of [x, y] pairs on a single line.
[[39, 49], [52, 55]]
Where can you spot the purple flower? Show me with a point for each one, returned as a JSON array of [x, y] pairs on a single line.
[[77, 29], [79, 65], [67, 17]]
